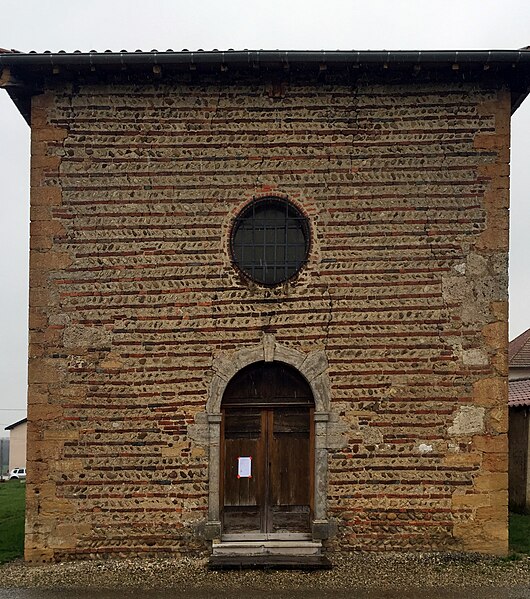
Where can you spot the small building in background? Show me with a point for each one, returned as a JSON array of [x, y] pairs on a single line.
[[17, 443], [519, 357], [519, 408]]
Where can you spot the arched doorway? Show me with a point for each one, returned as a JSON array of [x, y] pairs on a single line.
[[267, 453]]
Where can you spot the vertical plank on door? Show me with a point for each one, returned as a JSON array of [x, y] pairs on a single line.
[[242, 505], [290, 488]]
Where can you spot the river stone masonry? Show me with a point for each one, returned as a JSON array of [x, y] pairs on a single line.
[[134, 304]]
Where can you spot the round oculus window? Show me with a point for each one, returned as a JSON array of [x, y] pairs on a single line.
[[270, 240]]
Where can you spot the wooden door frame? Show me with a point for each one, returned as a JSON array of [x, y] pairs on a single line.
[[266, 431], [327, 433]]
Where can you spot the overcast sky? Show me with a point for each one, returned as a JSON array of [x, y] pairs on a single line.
[[275, 24]]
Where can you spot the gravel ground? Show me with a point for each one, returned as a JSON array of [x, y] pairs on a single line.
[[370, 573]]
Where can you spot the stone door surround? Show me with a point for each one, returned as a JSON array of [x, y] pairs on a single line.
[[313, 366]]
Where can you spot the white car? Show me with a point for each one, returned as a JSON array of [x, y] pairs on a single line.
[[17, 474]]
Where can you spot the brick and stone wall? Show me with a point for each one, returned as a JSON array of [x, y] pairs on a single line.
[[133, 297]]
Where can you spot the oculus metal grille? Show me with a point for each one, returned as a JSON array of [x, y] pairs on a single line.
[[270, 240]]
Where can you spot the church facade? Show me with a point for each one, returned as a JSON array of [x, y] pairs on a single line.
[[268, 300]]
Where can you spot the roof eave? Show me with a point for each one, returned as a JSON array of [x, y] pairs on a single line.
[[270, 57], [19, 92], [30, 68], [15, 424]]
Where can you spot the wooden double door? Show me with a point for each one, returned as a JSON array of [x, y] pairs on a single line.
[[267, 453]]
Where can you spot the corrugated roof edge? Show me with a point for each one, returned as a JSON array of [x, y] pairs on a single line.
[[431, 57], [519, 403]]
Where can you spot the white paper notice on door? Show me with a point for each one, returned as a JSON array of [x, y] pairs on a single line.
[[244, 467]]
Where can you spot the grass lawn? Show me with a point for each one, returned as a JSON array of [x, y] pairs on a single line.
[[520, 533], [12, 507]]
